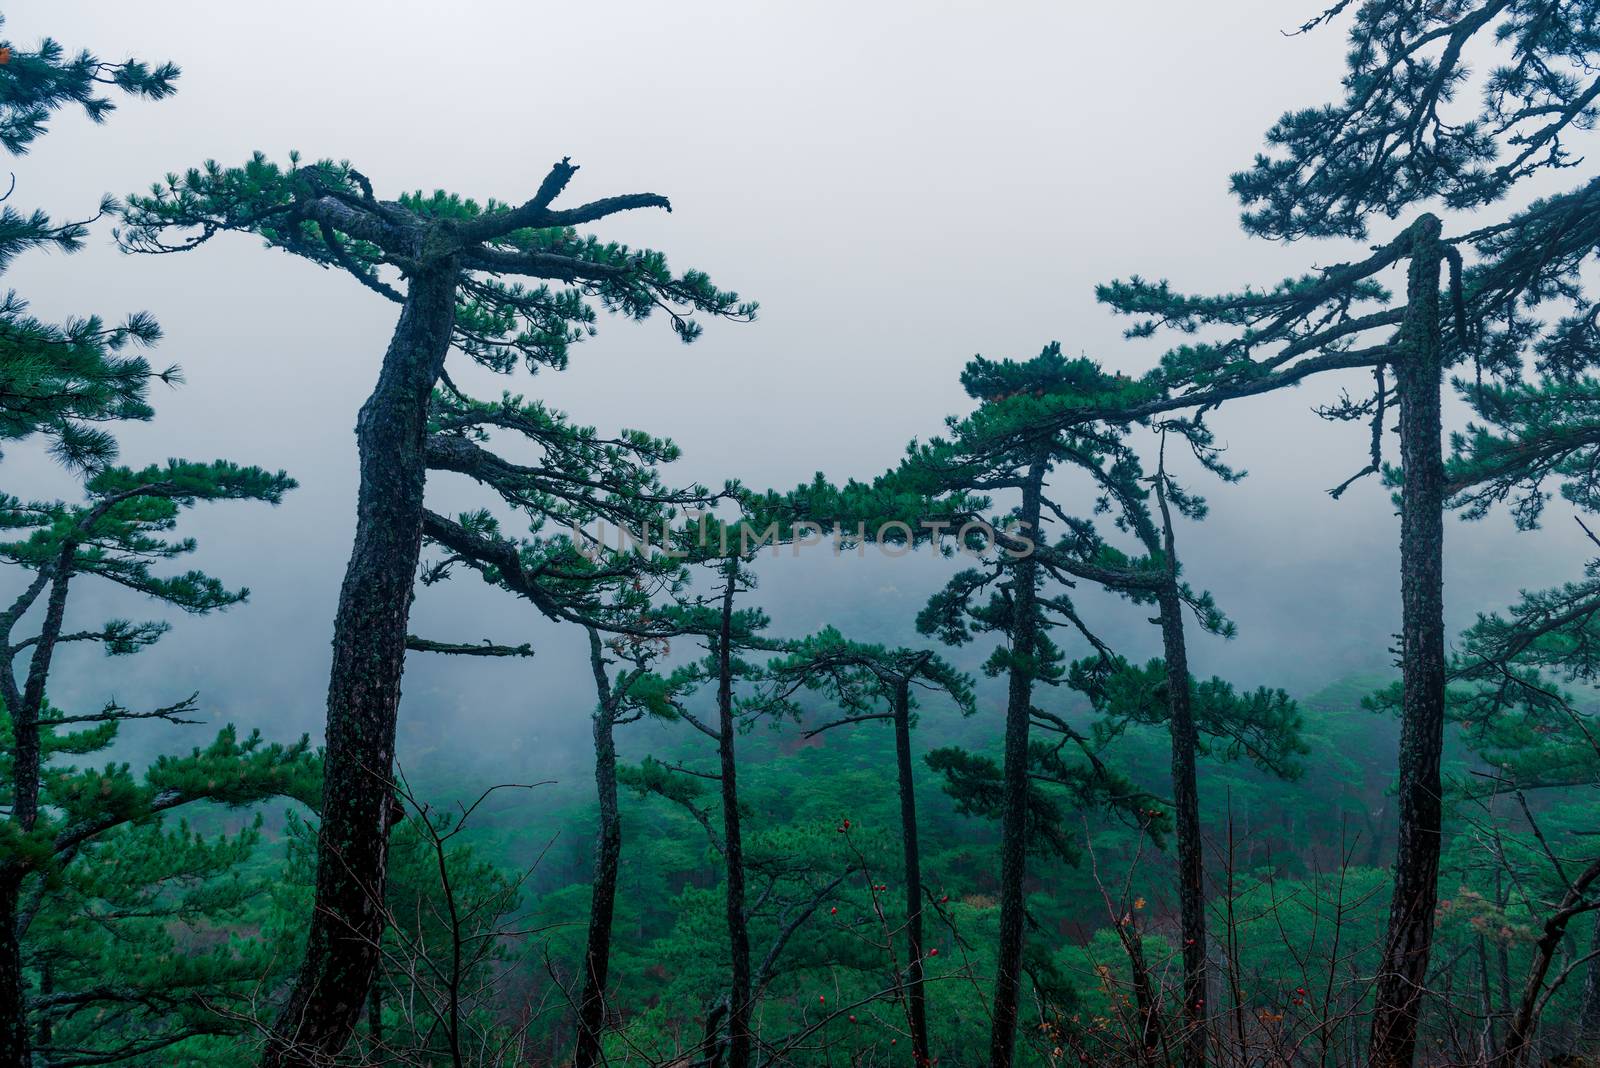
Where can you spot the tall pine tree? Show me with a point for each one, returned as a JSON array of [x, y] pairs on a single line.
[[460, 264], [1011, 443], [871, 682], [1384, 149]]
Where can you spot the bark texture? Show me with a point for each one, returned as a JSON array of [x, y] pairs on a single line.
[[15, 1047], [1403, 970], [369, 641], [916, 996], [607, 860], [1186, 814], [1014, 785], [26, 704]]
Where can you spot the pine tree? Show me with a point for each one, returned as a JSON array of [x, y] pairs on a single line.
[[1382, 150], [726, 633], [449, 944], [460, 262], [1509, 701], [593, 504], [62, 816], [61, 381], [1012, 442], [865, 680], [1264, 724]]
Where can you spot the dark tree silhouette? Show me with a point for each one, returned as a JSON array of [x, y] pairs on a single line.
[[1264, 725], [1382, 150], [454, 257], [1011, 443]]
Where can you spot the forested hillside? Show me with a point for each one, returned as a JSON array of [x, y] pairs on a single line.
[[990, 790]]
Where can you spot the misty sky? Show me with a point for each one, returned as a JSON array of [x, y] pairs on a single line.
[[901, 185]]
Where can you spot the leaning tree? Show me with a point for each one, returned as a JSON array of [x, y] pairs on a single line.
[[455, 268], [1393, 144]]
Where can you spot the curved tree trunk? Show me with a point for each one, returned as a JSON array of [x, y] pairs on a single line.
[[1014, 784], [607, 856], [26, 705], [1186, 809], [369, 637], [916, 996], [739, 1007], [1403, 971]]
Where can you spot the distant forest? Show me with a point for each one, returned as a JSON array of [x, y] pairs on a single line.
[[1006, 842]]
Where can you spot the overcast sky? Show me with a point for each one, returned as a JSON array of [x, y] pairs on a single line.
[[901, 185]]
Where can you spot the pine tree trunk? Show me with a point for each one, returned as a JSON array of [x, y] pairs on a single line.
[[375, 1006], [739, 1007], [15, 1051], [607, 857], [916, 996], [369, 635], [27, 761], [1403, 971], [27, 750], [1014, 783], [1588, 1025], [1186, 811]]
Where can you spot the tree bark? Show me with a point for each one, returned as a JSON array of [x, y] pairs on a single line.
[[27, 760], [607, 857], [1014, 783], [15, 1047], [1403, 970], [916, 996], [369, 638], [1588, 1027], [1186, 812], [739, 1007], [375, 1006]]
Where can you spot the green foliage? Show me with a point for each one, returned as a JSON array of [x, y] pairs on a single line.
[[1057, 789], [1263, 725], [303, 209], [119, 533], [1388, 144], [141, 935], [35, 84], [63, 380]]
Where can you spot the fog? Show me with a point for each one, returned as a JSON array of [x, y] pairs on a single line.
[[900, 185]]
